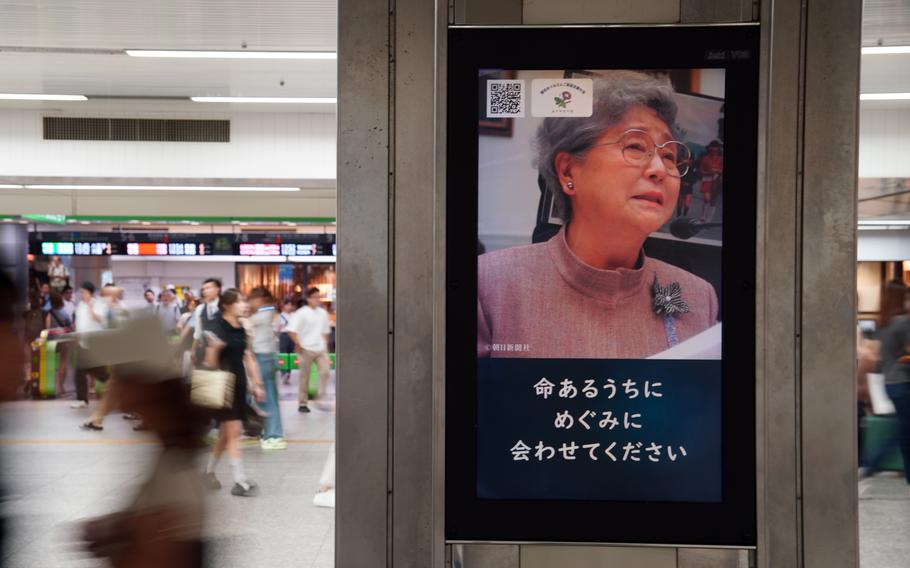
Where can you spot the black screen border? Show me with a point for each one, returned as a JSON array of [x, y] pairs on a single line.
[[731, 522]]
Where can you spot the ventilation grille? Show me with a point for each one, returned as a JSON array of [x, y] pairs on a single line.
[[136, 129]]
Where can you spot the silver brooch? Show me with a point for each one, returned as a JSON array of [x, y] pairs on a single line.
[[667, 300]]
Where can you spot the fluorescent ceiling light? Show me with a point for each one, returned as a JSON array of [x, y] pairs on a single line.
[[885, 222], [41, 97], [189, 54], [289, 100], [886, 50], [160, 188], [884, 97], [10, 186]]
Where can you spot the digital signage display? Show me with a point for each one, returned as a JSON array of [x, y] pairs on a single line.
[[259, 249], [299, 249], [79, 248], [165, 249], [610, 191]]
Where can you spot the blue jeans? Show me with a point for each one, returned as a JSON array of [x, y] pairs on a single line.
[[267, 367]]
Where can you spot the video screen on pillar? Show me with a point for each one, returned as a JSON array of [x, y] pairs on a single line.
[[600, 225]]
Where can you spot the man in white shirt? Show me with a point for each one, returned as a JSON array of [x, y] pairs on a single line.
[[205, 316], [168, 311], [309, 329], [150, 301], [57, 274], [91, 315]]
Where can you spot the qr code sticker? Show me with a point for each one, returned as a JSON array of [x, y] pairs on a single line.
[[505, 98]]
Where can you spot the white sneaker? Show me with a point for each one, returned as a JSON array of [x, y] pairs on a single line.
[[79, 404], [273, 444], [325, 499]]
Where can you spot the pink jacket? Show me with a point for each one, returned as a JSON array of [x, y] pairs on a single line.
[[541, 301]]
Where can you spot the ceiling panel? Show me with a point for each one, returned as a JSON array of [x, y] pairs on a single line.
[[885, 73], [170, 24], [886, 22], [121, 75]]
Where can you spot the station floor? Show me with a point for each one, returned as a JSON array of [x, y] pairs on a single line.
[[56, 475]]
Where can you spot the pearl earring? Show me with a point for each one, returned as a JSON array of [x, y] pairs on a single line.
[[570, 185]]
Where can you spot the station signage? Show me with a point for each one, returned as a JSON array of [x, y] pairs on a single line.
[[165, 249], [153, 245], [600, 340], [259, 249], [78, 248]]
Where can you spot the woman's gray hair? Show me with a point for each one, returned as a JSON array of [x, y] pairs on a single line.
[[615, 92]]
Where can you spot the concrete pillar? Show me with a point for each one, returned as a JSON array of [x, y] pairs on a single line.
[[14, 256], [391, 270]]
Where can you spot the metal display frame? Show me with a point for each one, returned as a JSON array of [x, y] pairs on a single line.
[[469, 519]]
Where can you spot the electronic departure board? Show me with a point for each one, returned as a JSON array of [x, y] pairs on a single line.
[[76, 248]]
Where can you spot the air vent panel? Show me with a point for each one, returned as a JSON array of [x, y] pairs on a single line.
[[136, 129]]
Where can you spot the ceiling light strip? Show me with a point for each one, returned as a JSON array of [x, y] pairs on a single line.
[[884, 97], [40, 97], [191, 54], [157, 188], [268, 100], [886, 49]]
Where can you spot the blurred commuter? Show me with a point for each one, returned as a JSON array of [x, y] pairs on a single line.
[[57, 318], [188, 298], [325, 495], [309, 330], [184, 324], [175, 297], [163, 526], [285, 343], [45, 293], [228, 348], [894, 334], [168, 311], [91, 316], [117, 313], [264, 321], [58, 322], [117, 317], [150, 303], [69, 306], [57, 274], [205, 317]]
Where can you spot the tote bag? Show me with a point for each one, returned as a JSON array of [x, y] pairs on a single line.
[[212, 389]]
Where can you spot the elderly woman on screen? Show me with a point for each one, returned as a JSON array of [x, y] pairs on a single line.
[[590, 291]]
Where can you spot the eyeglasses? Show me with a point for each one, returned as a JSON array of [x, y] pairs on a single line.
[[638, 149]]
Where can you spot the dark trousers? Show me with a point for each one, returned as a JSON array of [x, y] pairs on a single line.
[[900, 396]]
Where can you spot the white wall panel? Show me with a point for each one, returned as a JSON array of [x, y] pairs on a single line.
[[160, 273], [263, 145], [883, 245], [884, 142]]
